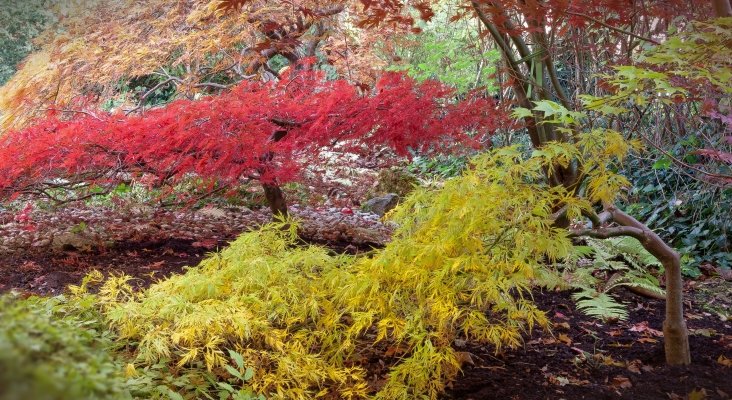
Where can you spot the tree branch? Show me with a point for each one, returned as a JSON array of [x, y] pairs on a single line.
[[614, 28]]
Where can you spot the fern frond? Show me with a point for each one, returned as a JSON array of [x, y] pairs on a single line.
[[600, 305]]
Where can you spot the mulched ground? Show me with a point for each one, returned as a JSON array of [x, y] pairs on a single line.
[[44, 251], [48, 272], [581, 359], [587, 359]]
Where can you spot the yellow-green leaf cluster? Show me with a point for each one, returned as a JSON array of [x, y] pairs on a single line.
[[696, 59], [459, 267]]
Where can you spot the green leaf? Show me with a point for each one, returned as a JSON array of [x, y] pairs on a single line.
[[521, 112], [238, 358], [227, 387], [549, 108], [234, 372], [248, 374], [174, 395], [662, 163]]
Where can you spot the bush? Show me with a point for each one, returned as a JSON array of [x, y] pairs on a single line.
[[689, 214], [306, 322], [50, 349]]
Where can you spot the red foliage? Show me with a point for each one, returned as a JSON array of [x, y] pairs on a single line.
[[224, 139], [577, 12]]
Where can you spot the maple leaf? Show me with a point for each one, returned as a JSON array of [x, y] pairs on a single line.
[[621, 382], [643, 327], [256, 130], [722, 360]]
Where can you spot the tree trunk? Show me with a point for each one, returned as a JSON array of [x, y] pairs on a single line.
[[675, 333], [676, 341], [722, 8], [272, 191], [276, 200]]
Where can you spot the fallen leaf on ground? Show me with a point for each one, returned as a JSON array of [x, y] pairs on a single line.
[[727, 362], [706, 332], [207, 244], [557, 380], [621, 382], [463, 357], [643, 327], [562, 325], [156, 265], [635, 366], [565, 339], [608, 360]]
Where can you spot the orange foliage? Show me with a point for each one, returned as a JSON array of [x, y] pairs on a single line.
[[109, 42]]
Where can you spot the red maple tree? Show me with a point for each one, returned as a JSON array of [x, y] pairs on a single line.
[[265, 132]]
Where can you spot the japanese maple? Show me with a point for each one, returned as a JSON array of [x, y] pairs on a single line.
[[257, 131], [534, 37], [189, 47]]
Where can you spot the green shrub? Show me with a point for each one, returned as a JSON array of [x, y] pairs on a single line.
[[440, 166], [395, 180], [690, 215], [52, 350]]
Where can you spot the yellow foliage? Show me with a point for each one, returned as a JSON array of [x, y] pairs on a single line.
[[460, 266]]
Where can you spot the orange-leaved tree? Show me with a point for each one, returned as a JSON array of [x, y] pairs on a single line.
[[124, 54]]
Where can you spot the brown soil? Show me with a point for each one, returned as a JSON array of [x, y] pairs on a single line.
[[49, 272], [587, 359]]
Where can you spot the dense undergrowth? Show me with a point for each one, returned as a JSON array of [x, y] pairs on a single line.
[[693, 216], [54, 349]]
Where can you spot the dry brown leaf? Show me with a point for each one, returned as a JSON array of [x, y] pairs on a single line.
[[621, 382], [635, 366], [156, 265], [463, 357], [643, 327], [563, 325], [722, 360], [565, 339]]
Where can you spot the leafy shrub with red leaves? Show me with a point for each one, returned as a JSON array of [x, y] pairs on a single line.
[[257, 131]]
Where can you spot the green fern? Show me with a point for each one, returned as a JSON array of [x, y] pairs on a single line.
[[629, 249], [635, 279], [600, 305], [616, 262]]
